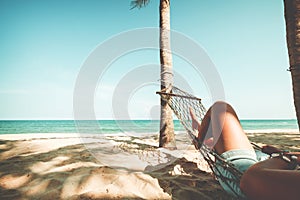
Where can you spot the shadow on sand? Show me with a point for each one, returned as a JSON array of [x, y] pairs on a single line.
[[70, 172]]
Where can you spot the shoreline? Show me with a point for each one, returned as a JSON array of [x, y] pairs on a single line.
[[16, 136], [294, 131]]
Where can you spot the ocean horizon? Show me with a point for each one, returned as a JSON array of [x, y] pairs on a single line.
[[126, 126]]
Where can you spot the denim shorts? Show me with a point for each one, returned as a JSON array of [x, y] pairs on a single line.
[[242, 159]]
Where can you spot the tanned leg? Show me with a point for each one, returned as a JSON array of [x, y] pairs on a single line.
[[222, 123]]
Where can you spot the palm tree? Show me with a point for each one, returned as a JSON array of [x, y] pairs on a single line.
[[292, 20], [166, 135]]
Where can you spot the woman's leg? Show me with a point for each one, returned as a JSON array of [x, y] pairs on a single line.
[[222, 123]]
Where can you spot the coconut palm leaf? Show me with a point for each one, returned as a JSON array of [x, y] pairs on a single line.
[[139, 3]]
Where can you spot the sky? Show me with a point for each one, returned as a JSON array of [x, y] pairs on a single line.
[[44, 45]]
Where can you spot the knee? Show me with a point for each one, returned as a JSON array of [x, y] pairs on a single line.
[[220, 103], [222, 106], [219, 108]]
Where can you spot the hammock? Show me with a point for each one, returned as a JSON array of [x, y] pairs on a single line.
[[181, 102]]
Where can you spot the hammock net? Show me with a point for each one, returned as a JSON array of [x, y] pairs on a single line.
[[181, 102]]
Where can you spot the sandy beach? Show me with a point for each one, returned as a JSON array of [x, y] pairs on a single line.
[[72, 166]]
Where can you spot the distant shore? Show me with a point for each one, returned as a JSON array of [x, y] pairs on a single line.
[[67, 166]]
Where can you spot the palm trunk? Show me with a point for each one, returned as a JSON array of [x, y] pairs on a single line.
[[166, 137], [292, 19]]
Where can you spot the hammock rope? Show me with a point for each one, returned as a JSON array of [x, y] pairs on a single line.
[[181, 102]]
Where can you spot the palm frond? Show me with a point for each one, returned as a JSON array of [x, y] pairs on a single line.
[[138, 3]]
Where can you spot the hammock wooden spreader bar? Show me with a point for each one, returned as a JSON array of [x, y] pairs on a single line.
[[177, 95]]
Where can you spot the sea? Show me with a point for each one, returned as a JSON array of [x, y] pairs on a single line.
[[125, 126]]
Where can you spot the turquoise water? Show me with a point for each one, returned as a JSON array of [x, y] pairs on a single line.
[[269, 124], [112, 126]]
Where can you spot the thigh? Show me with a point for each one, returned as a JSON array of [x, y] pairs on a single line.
[[226, 129]]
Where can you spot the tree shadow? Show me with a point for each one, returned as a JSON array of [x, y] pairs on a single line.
[[71, 172], [284, 141], [182, 179]]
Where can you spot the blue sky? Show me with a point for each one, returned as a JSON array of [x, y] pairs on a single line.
[[45, 43]]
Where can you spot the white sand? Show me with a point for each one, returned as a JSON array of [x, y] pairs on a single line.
[[65, 166]]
